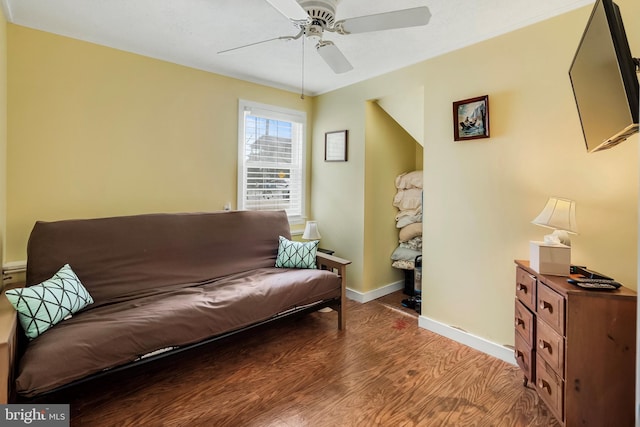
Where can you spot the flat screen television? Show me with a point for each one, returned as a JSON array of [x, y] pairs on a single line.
[[604, 81]]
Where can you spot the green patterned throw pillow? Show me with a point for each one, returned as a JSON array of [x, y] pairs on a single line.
[[296, 254], [42, 306]]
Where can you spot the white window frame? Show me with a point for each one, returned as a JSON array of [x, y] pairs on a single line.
[[298, 168]]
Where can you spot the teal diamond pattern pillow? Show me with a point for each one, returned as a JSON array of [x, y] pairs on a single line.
[[42, 306], [296, 254]]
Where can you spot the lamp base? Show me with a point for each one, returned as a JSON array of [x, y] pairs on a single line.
[[550, 259]]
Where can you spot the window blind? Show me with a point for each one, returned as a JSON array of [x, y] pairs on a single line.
[[271, 159]]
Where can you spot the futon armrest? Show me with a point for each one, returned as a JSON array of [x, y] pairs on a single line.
[[8, 347], [330, 262], [339, 265]]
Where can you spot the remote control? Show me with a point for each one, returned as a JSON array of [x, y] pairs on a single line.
[[587, 283]]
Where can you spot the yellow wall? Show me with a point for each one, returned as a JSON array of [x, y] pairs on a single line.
[[389, 151], [407, 108], [480, 196], [95, 131], [3, 130]]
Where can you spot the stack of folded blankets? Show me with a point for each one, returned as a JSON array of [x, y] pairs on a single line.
[[408, 200]]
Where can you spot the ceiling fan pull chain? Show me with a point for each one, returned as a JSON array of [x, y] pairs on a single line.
[[302, 83]]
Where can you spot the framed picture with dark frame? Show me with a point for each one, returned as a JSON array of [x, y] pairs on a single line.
[[335, 146], [471, 118]]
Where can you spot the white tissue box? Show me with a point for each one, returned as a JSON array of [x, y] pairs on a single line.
[[550, 259]]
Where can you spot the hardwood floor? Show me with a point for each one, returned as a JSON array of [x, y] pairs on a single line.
[[383, 370]]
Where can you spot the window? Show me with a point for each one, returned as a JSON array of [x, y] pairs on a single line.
[[271, 161]]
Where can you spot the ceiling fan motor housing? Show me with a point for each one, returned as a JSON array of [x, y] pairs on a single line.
[[321, 12]]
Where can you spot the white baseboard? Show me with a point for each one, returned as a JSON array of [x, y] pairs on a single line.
[[376, 293], [473, 341]]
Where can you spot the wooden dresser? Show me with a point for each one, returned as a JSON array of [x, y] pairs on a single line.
[[577, 348]]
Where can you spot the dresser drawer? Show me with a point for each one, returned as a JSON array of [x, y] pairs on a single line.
[[551, 307], [550, 388], [525, 358], [524, 323], [526, 288], [550, 346]]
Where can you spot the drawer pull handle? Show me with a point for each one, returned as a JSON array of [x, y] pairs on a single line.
[[543, 344], [519, 355], [542, 384], [546, 306], [521, 288], [519, 322]]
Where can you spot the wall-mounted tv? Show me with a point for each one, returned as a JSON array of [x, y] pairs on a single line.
[[604, 81]]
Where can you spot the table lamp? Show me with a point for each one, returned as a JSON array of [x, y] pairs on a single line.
[[559, 215], [311, 231], [553, 255]]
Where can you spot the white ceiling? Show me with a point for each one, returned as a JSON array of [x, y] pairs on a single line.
[[191, 32]]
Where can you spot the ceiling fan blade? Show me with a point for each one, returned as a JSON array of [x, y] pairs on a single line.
[[297, 36], [333, 57], [290, 9], [386, 21]]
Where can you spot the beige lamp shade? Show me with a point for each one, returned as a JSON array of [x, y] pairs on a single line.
[[560, 215], [311, 231]]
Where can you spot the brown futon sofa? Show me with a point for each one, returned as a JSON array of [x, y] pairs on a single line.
[[162, 283]]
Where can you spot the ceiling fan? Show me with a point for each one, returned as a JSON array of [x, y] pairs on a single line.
[[313, 17]]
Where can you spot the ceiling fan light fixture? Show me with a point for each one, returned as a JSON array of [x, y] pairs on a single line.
[[313, 32]]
